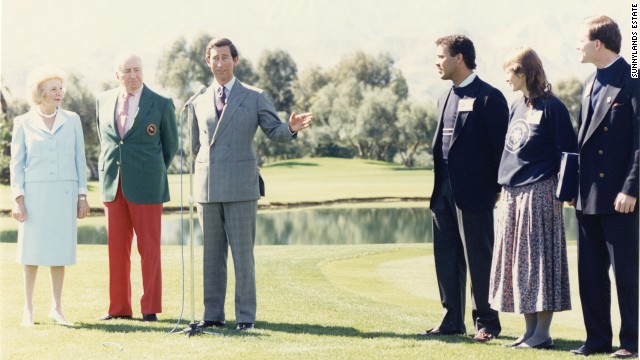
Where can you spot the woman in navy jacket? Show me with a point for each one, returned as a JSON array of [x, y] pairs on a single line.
[[529, 272]]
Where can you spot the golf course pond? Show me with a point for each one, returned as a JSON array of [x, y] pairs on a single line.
[[309, 226]]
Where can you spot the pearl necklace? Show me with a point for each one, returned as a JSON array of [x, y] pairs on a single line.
[[47, 116]]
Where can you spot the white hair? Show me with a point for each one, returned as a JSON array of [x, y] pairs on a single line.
[[39, 75], [122, 58]]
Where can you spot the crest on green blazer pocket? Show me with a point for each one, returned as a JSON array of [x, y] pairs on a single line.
[[152, 129]]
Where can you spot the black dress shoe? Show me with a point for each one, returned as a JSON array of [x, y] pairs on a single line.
[[149, 317], [244, 326], [584, 350], [209, 323], [437, 332], [109, 317]]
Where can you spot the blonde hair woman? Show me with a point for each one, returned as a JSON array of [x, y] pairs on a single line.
[[49, 185]]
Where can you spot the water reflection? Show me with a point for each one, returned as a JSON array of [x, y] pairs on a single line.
[[345, 226], [330, 226]]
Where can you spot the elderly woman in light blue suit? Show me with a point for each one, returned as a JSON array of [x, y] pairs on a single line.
[[49, 186]]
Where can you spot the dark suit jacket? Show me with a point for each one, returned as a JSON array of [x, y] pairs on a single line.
[[141, 158], [475, 149], [609, 146]]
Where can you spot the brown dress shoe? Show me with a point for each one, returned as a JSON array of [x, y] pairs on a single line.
[[483, 336]]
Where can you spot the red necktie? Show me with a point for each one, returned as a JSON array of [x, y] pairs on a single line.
[[123, 113]]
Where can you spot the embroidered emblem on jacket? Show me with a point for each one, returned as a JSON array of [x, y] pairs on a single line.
[[152, 129]]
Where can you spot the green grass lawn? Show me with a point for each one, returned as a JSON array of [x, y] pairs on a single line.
[[308, 180], [332, 302]]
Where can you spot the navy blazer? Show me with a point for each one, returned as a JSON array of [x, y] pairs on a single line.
[[475, 149], [609, 146]]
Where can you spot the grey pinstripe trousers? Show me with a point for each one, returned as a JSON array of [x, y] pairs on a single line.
[[224, 225]]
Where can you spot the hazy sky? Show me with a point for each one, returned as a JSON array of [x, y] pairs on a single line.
[[83, 36]]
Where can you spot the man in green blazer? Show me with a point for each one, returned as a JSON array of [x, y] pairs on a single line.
[[138, 138]]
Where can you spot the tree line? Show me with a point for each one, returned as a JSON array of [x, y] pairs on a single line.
[[361, 105]]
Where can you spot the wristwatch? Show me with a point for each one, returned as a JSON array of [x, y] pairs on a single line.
[[82, 197]]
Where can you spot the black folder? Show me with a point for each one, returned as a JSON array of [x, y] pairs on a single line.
[[261, 185], [568, 177]]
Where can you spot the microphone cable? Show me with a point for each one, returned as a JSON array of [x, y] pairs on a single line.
[[172, 331]]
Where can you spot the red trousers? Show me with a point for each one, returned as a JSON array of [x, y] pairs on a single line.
[[123, 218]]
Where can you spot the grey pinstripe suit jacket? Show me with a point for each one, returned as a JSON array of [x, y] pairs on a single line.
[[226, 169]]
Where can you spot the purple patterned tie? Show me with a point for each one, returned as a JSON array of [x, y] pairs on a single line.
[[221, 99]]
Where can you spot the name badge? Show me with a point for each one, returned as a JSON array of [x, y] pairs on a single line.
[[465, 105], [534, 117]]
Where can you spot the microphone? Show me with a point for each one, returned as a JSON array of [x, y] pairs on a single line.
[[200, 91]]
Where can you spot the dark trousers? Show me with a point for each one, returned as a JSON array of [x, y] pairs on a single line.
[[463, 240], [608, 241]]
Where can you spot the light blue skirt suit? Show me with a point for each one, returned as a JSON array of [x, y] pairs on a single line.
[[48, 168]]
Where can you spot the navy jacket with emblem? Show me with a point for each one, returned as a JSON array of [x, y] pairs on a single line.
[[534, 144]]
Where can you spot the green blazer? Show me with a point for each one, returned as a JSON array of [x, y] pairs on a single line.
[[141, 158]]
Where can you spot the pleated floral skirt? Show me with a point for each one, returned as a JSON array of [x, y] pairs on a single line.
[[529, 269]]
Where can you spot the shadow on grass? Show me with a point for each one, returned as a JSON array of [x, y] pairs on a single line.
[[166, 326], [560, 345], [315, 329], [161, 326], [290, 164], [125, 326]]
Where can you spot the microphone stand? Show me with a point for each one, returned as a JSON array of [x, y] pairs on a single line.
[[193, 328]]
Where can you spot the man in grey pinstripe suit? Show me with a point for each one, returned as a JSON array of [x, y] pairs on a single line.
[[226, 181]]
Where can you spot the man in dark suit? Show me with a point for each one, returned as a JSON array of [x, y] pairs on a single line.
[[138, 139], [606, 206], [227, 182], [468, 144]]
